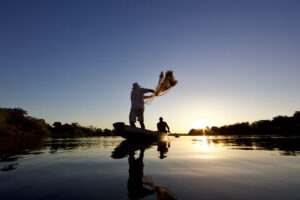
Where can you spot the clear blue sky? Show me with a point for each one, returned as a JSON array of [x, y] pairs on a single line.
[[75, 61]]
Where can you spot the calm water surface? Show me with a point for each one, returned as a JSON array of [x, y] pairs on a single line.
[[197, 167]]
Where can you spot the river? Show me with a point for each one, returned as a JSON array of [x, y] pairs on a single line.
[[187, 167]]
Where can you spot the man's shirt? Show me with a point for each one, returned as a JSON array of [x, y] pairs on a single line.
[[162, 127], [137, 98]]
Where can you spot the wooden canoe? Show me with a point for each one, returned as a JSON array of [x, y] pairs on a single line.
[[138, 134]]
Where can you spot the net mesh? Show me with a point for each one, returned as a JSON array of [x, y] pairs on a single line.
[[165, 83]]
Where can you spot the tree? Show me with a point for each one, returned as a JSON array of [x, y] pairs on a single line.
[[297, 115], [57, 124]]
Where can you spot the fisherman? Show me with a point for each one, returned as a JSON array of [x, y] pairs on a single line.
[[137, 104], [163, 126]]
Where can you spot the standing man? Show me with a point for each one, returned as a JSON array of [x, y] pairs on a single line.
[[137, 104], [163, 126]]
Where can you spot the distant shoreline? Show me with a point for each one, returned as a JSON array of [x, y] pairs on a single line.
[[279, 125], [16, 122]]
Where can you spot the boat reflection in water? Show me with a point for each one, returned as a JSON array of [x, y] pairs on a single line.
[[196, 167], [138, 185]]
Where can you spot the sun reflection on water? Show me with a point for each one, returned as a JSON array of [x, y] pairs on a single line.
[[204, 143]]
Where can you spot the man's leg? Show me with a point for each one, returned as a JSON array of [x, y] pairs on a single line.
[[132, 117], [140, 115], [142, 124], [132, 124]]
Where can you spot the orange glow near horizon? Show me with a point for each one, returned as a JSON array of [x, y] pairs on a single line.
[[202, 124]]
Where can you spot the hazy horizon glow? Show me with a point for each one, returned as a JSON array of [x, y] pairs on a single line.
[[75, 61]]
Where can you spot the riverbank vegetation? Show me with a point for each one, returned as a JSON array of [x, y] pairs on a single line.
[[280, 125], [16, 122]]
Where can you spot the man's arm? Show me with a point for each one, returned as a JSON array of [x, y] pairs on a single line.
[[147, 90], [147, 97], [168, 128]]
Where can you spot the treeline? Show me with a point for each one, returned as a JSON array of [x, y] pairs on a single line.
[[15, 122], [280, 125], [74, 129]]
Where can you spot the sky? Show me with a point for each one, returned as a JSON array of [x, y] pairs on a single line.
[[75, 61]]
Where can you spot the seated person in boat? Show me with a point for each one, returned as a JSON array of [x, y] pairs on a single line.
[[137, 104], [163, 126]]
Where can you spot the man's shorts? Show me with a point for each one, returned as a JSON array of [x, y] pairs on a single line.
[[136, 113]]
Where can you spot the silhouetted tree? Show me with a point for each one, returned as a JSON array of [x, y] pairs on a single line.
[[57, 124], [16, 122], [196, 132], [107, 132], [279, 125], [297, 115]]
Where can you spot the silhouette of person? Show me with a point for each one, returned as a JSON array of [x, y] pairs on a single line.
[[136, 189], [137, 104], [162, 126], [163, 149], [138, 185]]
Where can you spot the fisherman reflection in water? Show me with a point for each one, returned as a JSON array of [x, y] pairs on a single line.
[[136, 189], [137, 182], [138, 185]]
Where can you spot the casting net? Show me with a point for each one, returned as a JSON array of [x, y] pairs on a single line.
[[165, 83]]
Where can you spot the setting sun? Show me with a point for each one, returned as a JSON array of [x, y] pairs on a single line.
[[202, 124]]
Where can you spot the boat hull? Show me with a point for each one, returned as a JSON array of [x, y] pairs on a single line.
[[138, 134]]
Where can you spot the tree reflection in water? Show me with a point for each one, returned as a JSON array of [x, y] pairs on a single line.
[[138, 185], [287, 146], [13, 148]]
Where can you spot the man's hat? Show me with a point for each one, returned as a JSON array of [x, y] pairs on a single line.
[[135, 86]]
